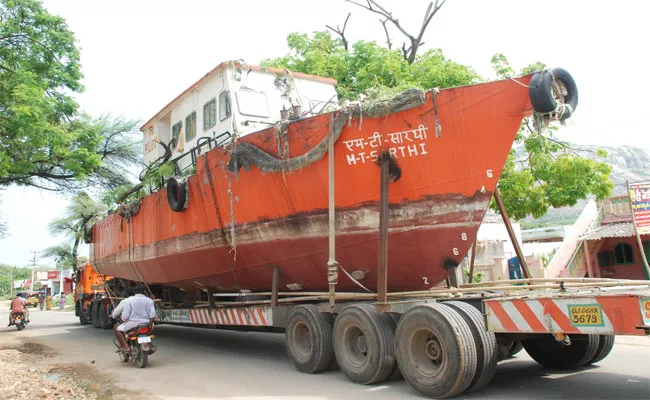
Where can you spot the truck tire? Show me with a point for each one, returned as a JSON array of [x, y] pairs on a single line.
[[435, 351], [103, 315], [95, 315], [605, 346], [541, 91], [309, 339], [515, 348], [83, 320], [177, 194], [486, 344], [555, 355], [364, 344]]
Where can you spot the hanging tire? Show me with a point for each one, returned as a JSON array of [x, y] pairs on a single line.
[[177, 194], [541, 92], [605, 346], [553, 354], [486, 344], [364, 344], [435, 351], [309, 339]]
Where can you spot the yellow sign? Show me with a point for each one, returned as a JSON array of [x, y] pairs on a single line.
[[645, 309], [586, 315]]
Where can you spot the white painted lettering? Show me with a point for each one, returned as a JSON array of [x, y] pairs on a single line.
[[393, 152], [401, 149], [375, 140], [413, 150], [423, 149], [352, 159], [362, 157], [489, 173], [374, 155]]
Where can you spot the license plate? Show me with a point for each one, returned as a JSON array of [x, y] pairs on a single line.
[[586, 315], [144, 339]]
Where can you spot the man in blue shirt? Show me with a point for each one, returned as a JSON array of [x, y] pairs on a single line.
[[139, 310]]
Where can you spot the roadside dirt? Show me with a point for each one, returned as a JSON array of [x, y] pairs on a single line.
[[28, 371]]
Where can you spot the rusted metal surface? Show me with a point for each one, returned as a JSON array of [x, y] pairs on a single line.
[[281, 219]]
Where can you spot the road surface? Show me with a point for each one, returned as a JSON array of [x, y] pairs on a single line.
[[212, 364]]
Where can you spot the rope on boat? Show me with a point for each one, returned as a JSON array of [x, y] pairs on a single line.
[[245, 154]]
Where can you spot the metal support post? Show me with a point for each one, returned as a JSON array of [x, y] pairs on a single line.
[[274, 287], [332, 265], [511, 233], [382, 267]]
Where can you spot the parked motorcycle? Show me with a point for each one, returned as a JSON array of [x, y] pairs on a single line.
[[18, 320], [140, 344]]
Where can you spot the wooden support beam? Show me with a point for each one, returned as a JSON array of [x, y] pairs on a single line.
[[511, 233]]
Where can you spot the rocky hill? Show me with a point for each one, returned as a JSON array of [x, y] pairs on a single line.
[[629, 164]]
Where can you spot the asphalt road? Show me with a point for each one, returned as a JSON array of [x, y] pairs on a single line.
[[212, 364]]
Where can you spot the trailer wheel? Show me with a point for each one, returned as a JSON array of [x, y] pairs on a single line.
[[309, 339], [553, 354], [605, 346], [94, 309], [486, 344], [364, 344], [103, 315], [83, 320], [515, 348], [435, 351]]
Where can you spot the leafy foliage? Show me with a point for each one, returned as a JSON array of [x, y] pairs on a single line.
[[44, 141], [81, 210], [368, 68], [543, 172]]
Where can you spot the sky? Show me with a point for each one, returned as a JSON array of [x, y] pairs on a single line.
[[136, 56]]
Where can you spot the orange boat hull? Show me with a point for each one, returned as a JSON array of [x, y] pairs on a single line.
[[239, 226]]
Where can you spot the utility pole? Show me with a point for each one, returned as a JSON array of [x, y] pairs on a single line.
[[34, 259]]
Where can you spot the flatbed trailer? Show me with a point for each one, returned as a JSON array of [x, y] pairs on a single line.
[[444, 341]]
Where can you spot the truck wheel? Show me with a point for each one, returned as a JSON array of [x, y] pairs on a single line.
[[95, 314], [486, 344], [553, 354], [605, 346], [435, 351], [82, 314], [364, 344], [309, 339], [515, 348], [103, 316]]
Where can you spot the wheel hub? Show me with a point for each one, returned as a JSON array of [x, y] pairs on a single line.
[[433, 350], [362, 344]]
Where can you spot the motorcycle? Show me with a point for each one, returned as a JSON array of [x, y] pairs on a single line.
[[140, 343], [18, 319]]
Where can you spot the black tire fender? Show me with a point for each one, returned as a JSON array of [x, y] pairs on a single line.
[[541, 93], [177, 194]]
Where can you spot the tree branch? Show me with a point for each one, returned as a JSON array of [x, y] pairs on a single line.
[[341, 32], [388, 42]]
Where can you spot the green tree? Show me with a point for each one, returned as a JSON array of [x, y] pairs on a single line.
[[368, 68], [542, 171], [81, 211], [44, 140]]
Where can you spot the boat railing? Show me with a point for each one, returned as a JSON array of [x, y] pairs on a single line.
[[205, 143]]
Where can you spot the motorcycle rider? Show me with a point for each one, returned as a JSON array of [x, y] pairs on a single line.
[[139, 310], [18, 305]]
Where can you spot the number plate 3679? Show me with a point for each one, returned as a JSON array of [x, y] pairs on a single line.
[[586, 315]]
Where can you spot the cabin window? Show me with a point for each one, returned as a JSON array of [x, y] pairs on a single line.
[[176, 133], [254, 104], [623, 254], [209, 114], [190, 127], [224, 105]]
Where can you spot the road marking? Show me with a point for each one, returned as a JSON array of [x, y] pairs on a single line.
[[377, 388]]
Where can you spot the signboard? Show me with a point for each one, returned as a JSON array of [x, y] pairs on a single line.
[[53, 275], [640, 195], [41, 276], [514, 269]]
